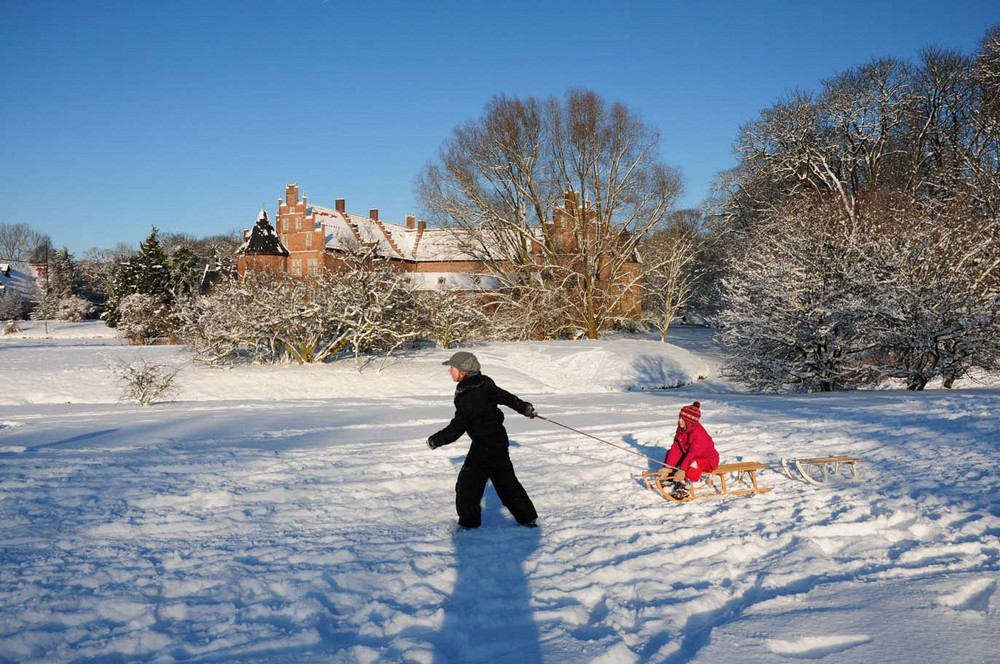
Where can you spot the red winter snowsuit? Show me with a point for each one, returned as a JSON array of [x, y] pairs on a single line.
[[693, 446]]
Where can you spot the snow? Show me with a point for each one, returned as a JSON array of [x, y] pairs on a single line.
[[18, 277], [290, 513]]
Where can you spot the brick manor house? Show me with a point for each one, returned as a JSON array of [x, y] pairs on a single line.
[[308, 239]]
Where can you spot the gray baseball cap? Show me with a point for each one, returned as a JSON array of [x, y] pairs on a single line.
[[463, 361]]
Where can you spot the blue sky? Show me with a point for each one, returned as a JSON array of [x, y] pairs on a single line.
[[189, 115]]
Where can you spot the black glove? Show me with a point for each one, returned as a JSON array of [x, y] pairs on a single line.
[[431, 443], [529, 411]]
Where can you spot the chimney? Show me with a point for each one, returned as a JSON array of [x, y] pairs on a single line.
[[373, 214], [409, 222], [341, 205], [421, 225], [292, 194]]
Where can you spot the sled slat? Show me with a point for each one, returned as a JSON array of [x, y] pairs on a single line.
[[723, 481], [830, 459]]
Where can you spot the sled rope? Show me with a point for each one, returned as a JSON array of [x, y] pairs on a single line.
[[606, 442]]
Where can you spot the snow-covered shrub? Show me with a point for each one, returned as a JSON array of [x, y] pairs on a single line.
[[450, 317], [11, 305], [373, 303], [145, 381], [529, 314], [74, 309], [143, 318], [364, 308], [69, 308], [11, 327], [230, 324]]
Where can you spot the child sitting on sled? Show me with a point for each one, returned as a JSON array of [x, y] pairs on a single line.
[[692, 453]]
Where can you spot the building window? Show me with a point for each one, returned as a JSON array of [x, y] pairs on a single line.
[[313, 266], [298, 223], [309, 239], [297, 267]]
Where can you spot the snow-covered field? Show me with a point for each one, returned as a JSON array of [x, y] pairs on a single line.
[[273, 514]]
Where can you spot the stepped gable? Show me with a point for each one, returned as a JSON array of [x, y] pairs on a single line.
[[262, 239], [341, 229]]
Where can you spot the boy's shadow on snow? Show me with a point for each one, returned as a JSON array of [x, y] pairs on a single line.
[[489, 616]]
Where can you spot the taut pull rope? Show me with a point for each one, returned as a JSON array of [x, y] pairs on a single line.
[[606, 442]]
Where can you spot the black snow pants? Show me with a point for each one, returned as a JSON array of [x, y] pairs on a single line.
[[493, 465]]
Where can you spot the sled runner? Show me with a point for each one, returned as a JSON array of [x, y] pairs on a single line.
[[822, 470], [729, 479]]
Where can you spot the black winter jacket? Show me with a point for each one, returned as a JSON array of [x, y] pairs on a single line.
[[476, 413]]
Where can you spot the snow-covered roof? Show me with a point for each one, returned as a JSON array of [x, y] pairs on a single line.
[[17, 277], [342, 230]]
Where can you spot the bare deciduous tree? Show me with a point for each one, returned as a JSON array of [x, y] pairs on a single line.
[[19, 241], [670, 269], [554, 196]]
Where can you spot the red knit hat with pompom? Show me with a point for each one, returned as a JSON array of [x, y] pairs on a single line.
[[691, 413]]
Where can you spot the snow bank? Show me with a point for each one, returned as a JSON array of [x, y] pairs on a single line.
[[89, 352]]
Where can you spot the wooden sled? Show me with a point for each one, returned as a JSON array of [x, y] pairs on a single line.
[[729, 479], [822, 470]]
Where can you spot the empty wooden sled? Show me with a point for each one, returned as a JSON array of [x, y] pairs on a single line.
[[729, 479], [822, 470]]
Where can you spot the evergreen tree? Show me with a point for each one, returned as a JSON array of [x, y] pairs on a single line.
[[186, 269], [146, 273]]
